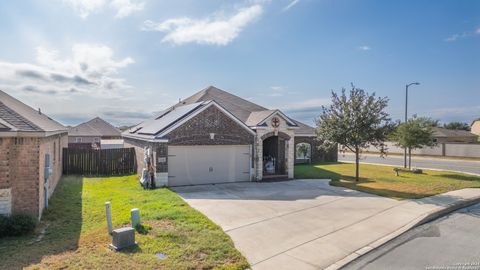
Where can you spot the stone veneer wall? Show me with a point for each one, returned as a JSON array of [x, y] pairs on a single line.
[[317, 155], [161, 176]]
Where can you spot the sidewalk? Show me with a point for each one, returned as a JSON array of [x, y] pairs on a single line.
[[400, 219]]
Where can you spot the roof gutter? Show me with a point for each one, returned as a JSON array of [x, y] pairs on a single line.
[[145, 139], [31, 134]]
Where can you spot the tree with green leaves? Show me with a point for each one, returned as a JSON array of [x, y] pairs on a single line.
[[303, 150], [354, 121], [457, 126], [416, 133]]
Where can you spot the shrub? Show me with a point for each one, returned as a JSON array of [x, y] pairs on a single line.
[[16, 225]]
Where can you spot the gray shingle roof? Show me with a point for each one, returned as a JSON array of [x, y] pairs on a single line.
[[246, 111], [255, 117], [95, 127], [237, 106], [443, 132], [24, 118]]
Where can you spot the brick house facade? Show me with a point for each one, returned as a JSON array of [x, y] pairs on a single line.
[[215, 133], [28, 140]]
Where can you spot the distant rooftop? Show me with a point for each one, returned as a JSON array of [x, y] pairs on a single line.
[[95, 127], [443, 132]]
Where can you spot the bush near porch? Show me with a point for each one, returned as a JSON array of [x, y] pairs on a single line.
[[73, 232], [381, 180]]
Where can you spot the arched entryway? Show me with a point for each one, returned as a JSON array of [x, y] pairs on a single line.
[[274, 154]]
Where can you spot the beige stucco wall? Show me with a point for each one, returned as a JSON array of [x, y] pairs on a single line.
[[476, 127]]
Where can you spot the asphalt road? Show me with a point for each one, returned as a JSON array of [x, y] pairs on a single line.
[[468, 166], [451, 242]]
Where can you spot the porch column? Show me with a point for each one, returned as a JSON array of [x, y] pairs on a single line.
[[258, 158], [290, 156]]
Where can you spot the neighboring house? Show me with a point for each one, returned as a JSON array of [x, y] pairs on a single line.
[[443, 135], [475, 128], [214, 137], [94, 133], [30, 157]]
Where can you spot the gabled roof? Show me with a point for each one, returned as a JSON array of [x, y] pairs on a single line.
[[95, 127], [246, 111], [158, 127], [475, 120], [17, 116], [443, 132], [237, 106]]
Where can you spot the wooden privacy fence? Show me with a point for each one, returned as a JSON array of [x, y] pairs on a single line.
[[99, 162]]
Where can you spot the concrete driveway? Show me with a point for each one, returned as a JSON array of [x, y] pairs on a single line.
[[304, 224]]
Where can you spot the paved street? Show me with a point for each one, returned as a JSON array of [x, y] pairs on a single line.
[[308, 224], [452, 241], [468, 166]]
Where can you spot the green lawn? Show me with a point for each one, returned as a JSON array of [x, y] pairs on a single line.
[[381, 180], [76, 234]]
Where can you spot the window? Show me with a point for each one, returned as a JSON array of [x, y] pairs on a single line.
[[78, 140], [303, 151]]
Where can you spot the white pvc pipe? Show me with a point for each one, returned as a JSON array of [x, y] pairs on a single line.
[[109, 217]]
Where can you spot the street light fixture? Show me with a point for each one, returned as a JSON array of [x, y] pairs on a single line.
[[406, 119]]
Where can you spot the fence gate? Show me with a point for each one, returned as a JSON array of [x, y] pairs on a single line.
[[105, 162]]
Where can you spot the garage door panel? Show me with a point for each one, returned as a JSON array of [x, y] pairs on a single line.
[[193, 165]]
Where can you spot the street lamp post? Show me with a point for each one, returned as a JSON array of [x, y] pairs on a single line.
[[406, 119]]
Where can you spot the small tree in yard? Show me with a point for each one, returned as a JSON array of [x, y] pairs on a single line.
[[416, 133], [354, 122]]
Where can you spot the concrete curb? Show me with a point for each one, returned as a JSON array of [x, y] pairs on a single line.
[[425, 218]]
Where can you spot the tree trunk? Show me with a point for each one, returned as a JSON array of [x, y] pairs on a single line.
[[409, 158], [356, 164]]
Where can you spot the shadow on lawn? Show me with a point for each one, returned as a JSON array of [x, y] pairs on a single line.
[[461, 177], [62, 223], [347, 181]]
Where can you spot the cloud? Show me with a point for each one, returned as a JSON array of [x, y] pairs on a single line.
[[305, 111], [306, 105], [126, 7], [364, 48], [449, 114], [213, 30], [91, 70], [462, 35], [290, 5], [123, 8]]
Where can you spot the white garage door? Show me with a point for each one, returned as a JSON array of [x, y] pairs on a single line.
[[208, 164]]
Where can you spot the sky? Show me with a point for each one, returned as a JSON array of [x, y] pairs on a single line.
[[124, 60]]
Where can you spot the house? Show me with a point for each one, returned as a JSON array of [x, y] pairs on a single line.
[[30, 157], [214, 137], [475, 127], [443, 135], [95, 134]]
